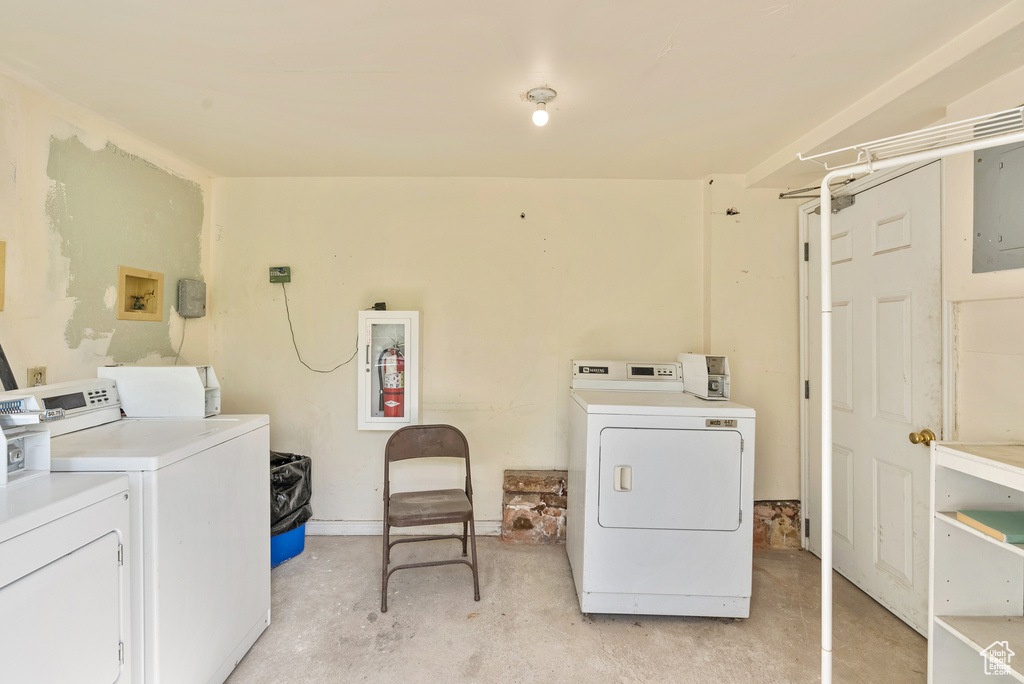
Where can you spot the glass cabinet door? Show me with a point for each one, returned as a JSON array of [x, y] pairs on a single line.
[[389, 377]]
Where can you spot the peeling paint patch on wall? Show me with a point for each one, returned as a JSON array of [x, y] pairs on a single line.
[[111, 208]]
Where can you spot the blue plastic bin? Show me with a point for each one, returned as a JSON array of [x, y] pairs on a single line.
[[287, 545]]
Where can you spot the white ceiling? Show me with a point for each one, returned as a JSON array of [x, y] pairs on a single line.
[[652, 89]]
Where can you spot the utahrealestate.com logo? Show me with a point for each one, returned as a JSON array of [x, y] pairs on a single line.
[[997, 658]]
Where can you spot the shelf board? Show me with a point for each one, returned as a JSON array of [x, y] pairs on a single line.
[[997, 462], [949, 517], [979, 632]]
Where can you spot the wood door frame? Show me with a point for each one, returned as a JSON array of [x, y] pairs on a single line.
[[948, 430]]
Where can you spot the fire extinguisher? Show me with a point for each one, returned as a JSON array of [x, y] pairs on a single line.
[[391, 375]]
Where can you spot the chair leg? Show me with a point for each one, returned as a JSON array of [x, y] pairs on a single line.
[[385, 559], [476, 574], [464, 527]]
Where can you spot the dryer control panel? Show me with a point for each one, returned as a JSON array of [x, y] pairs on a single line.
[[627, 375]]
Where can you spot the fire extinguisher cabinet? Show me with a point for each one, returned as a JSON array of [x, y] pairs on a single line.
[[389, 386]]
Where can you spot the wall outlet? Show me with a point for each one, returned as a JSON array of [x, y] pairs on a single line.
[[280, 274], [36, 376]]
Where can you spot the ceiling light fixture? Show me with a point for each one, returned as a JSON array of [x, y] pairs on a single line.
[[541, 96]]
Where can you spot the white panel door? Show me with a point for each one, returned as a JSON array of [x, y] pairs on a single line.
[[887, 373]]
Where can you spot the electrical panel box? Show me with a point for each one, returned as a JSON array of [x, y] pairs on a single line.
[[999, 208], [389, 373], [191, 298]]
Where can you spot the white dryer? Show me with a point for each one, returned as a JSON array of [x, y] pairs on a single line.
[[660, 517]]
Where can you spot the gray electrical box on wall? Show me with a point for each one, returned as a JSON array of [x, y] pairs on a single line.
[[191, 298], [999, 208]]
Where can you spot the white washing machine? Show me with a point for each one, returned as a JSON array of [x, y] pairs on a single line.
[[64, 596], [661, 489], [199, 525]]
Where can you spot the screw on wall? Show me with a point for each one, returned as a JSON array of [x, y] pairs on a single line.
[[36, 376]]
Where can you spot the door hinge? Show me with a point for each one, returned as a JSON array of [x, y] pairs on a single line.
[[120, 652], [120, 554], [807, 527], [807, 389], [807, 251]]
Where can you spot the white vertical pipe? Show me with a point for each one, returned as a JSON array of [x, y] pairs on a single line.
[[826, 359], [825, 249]]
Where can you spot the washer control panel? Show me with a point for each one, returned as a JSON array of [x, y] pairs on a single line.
[[76, 405]]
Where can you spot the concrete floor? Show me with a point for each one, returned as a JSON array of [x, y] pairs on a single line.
[[326, 625]]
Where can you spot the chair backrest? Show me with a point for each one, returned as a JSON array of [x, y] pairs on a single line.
[[426, 441]]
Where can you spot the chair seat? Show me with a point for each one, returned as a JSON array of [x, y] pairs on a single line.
[[429, 507]]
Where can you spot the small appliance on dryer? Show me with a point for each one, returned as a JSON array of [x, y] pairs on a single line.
[[660, 509], [706, 376]]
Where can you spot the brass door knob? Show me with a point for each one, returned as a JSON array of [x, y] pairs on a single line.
[[925, 437]]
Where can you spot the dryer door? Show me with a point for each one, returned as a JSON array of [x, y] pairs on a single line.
[[672, 479]]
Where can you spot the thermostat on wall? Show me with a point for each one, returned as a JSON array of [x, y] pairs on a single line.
[[191, 298]]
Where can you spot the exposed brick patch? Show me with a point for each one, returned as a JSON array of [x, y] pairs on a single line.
[[536, 481], [776, 524], [534, 506]]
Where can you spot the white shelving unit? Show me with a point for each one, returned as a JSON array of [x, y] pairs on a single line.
[[977, 582]]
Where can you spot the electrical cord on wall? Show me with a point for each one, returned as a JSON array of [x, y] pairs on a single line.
[[182, 343], [291, 328]]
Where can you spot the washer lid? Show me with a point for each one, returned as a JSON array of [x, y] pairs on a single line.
[[657, 404], [34, 503], [143, 444]]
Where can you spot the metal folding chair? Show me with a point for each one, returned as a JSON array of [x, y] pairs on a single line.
[[431, 507]]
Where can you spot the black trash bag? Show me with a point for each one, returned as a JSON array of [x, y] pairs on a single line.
[[290, 489]]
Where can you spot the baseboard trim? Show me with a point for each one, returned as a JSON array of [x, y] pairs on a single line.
[[484, 528]]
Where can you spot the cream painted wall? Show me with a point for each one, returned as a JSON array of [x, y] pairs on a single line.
[[37, 306], [990, 353], [990, 309], [753, 317], [596, 269]]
